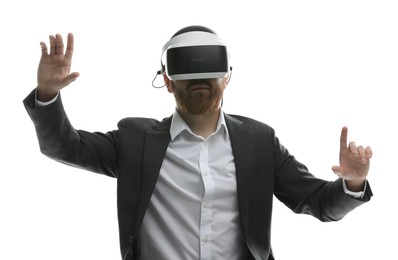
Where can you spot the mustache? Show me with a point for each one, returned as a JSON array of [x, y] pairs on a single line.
[[194, 82]]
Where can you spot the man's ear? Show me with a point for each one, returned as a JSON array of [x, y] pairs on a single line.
[[168, 83], [225, 80]]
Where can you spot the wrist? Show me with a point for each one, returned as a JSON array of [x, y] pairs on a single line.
[[355, 185], [45, 95]]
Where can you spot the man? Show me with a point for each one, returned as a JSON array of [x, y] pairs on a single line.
[[199, 184]]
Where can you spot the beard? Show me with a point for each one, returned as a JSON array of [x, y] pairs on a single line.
[[198, 102]]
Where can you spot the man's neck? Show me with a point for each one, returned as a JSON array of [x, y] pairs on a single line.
[[202, 124]]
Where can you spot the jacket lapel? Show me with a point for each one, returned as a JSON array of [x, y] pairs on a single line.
[[156, 143], [242, 147]]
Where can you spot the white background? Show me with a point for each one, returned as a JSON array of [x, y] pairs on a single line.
[[306, 68]]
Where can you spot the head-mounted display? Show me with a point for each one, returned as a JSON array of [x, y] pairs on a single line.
[[195, 55]]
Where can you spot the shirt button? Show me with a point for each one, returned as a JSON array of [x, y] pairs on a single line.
[[205, 239], [207, 204]]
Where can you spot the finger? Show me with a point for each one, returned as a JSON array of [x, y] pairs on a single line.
[[52, 45], [353, 147], [44, 50], [336, 169], [69, 46], [368, 152], [59, 49], [362, 155], [343, 138], [71, 77]]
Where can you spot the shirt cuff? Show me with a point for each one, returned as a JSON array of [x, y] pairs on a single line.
[[43, 104], [358, 194]]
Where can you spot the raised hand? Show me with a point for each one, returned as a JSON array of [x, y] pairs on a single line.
[[354, 162], [54, 68]]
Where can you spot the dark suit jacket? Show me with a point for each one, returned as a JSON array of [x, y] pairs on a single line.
[[134, 154]]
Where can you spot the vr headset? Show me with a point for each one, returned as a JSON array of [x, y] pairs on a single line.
[[195, 55]]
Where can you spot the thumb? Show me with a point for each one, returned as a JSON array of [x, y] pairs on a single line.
[[337, 170], [71, 77]]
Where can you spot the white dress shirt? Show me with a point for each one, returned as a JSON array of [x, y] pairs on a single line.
[[193, 212]]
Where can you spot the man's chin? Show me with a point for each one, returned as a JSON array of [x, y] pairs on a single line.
[[201, 110]]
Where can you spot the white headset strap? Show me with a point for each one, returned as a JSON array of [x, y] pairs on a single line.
[[193, 39]]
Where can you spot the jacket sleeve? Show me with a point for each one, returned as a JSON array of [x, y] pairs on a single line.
[[298, 189], [96, 152]]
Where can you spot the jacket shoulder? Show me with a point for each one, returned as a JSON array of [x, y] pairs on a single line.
[[142, 123], [129, 122], [250, 122]]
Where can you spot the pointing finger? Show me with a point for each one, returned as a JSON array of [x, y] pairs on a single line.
[[343, 138]]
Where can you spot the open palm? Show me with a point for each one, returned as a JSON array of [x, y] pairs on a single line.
[[54, 67]]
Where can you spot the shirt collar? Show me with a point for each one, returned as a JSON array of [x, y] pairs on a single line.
[[178, 125]]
